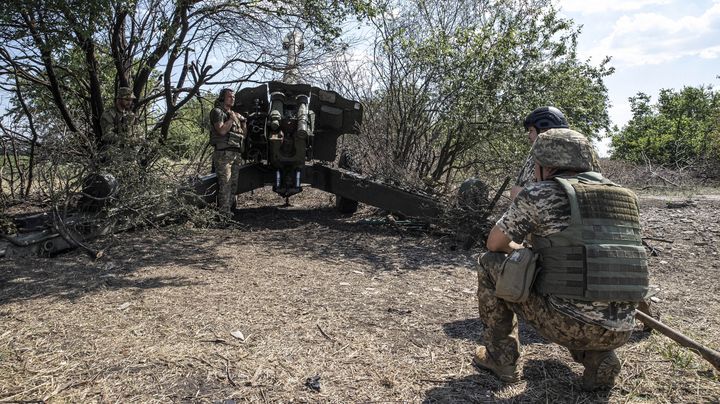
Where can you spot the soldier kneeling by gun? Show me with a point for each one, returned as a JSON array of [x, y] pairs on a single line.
[[227, 129], [591, 265]]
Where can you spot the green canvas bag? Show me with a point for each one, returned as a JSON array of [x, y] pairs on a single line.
[[517, 276]]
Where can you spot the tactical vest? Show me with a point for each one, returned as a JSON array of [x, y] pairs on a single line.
[[232, 140], [599, 256]]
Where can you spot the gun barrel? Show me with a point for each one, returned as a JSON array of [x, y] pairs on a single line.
[[708, 354]]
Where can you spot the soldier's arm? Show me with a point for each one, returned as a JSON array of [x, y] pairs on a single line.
[[515, 224], [514, 191], [223, 128], [525, 176], [498, 241], [243, 123]]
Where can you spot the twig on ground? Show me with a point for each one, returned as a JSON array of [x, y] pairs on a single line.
[[69, 386], [227, 373], [654, 174], [658, 239], [324, 334], [7, 399], [653, 251]]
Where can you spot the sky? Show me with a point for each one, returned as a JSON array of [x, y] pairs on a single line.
[[654, 44]]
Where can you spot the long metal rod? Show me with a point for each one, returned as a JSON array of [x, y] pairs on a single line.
[[708, 354]]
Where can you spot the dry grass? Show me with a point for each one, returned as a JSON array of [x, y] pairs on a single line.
[[657, 180], [380, 313]]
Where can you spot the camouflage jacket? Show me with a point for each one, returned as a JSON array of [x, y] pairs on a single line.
[[119, 130], [541, 209], [527, 172], [117, 126]]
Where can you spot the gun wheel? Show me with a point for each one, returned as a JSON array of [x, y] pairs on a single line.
[[345, 205]]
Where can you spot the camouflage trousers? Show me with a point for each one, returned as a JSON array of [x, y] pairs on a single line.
[[227, 166], [501, 324]]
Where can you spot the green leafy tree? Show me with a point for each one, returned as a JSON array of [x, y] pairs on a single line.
[[452, 82], [681, 130], [62, 60], [189, 129]]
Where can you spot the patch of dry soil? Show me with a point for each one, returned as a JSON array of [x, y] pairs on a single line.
[[379, 313]]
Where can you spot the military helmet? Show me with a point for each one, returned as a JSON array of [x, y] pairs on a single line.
[[125, 92], [473, 194], [545, 118], [564, 149]]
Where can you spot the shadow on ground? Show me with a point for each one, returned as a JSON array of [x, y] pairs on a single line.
[[549, 381], [471, 329], [72, 275], [318, 233]]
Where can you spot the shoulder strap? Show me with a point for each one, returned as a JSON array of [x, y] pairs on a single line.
[[566, 184], [593, 177]]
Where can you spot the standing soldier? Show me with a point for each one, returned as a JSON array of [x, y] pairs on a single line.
[[592, 264], [118, 123], [227, 129]]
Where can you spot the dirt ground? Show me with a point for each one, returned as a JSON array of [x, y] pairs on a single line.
[[302, 304]]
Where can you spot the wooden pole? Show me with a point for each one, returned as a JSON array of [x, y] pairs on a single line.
[[708, 354]]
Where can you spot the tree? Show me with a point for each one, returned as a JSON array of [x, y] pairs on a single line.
[[63, 59], [681, 130], [452, 82]]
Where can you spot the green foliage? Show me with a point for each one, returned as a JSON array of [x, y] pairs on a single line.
[[189, 130], [323, 16], [457, 79], [62, 61], [681, 130], [680, 357]]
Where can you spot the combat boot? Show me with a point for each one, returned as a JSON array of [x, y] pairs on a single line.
[[506, 373], [601, 369]]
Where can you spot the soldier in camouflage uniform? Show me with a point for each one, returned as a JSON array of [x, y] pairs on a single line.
[[538, 121], [590, 324], [120, 142], [227, 129]]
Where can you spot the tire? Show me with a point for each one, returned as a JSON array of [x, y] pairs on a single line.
[[345, 206]]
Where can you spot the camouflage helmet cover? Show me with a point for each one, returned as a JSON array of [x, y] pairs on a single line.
[[565, 149], [125, 92], [473, 193]]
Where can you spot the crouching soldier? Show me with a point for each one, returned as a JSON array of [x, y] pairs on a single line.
[[591, 265], [227, 129]]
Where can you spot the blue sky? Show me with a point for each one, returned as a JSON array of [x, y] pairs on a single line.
[[654, 44]]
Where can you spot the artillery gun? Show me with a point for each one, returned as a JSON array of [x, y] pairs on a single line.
[[292, 135]]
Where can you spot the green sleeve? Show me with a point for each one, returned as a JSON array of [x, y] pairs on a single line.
[[216, 116]]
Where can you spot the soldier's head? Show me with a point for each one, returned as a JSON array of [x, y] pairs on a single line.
[[562, 150], [543, 119], [124, 98], [226, 98]]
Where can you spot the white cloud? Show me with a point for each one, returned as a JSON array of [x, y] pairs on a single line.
[[712, 52], [653, 38], [594, 7]]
